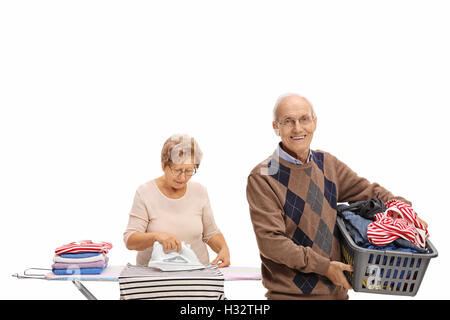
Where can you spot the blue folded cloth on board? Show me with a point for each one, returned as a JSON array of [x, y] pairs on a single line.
[[69, 272], [80, 255]]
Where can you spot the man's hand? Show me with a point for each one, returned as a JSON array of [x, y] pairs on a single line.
[[336, 274]]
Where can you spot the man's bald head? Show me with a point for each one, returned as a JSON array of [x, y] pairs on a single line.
[[295, 123], [290, 99]]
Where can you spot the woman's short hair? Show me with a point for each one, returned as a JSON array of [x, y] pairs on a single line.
[[179, 148]]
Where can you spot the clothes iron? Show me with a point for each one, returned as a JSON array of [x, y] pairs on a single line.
[[173, 260]]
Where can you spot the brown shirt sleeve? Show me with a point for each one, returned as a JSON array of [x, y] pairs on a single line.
[[266, 214], [352, 187]]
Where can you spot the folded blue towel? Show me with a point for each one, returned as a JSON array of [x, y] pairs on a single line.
[[68, 272], [80, 255]]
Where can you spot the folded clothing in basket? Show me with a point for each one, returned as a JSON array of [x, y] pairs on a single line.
[[357, 228], [398, 221]]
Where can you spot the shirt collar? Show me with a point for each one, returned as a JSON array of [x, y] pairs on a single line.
[[287, 157]]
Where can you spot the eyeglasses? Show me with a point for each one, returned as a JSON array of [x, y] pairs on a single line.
[[289, 122], [187, 172]]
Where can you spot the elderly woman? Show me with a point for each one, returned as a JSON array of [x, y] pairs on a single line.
[[171, 209]]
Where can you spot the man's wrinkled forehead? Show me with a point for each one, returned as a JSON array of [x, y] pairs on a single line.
[[292, 106]]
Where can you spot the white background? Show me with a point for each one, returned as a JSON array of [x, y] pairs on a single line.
[[90, 90]]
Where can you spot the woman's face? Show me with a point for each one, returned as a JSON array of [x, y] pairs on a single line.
[[177, 175]]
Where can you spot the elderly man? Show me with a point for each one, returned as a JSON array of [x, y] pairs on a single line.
[[293, 197]]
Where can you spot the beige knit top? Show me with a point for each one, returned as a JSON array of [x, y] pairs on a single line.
[[190, 218]]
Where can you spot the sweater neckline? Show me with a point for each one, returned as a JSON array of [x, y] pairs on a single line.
[[171, 199], [293, 166]]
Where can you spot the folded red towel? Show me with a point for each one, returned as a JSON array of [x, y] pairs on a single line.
[[84, 246]]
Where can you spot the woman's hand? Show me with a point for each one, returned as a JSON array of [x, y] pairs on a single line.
[[223, 258], [168, 241], [218, 244]]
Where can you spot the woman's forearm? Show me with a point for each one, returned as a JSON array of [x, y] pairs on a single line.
[[217, 242], [141, 240], [219, 245]]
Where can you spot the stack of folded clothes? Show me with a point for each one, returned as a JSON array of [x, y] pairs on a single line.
[[81, 257]]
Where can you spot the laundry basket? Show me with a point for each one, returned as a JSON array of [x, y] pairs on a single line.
[[384, 271]]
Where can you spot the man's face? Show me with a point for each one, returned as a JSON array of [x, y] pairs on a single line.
[[296, 126]]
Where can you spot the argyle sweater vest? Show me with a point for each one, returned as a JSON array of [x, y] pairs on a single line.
[[293, 212]]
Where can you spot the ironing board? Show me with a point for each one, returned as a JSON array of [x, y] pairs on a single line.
[[111, 273]]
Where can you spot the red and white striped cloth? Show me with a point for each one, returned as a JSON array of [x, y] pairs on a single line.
[[398, 221], [84, 246]]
